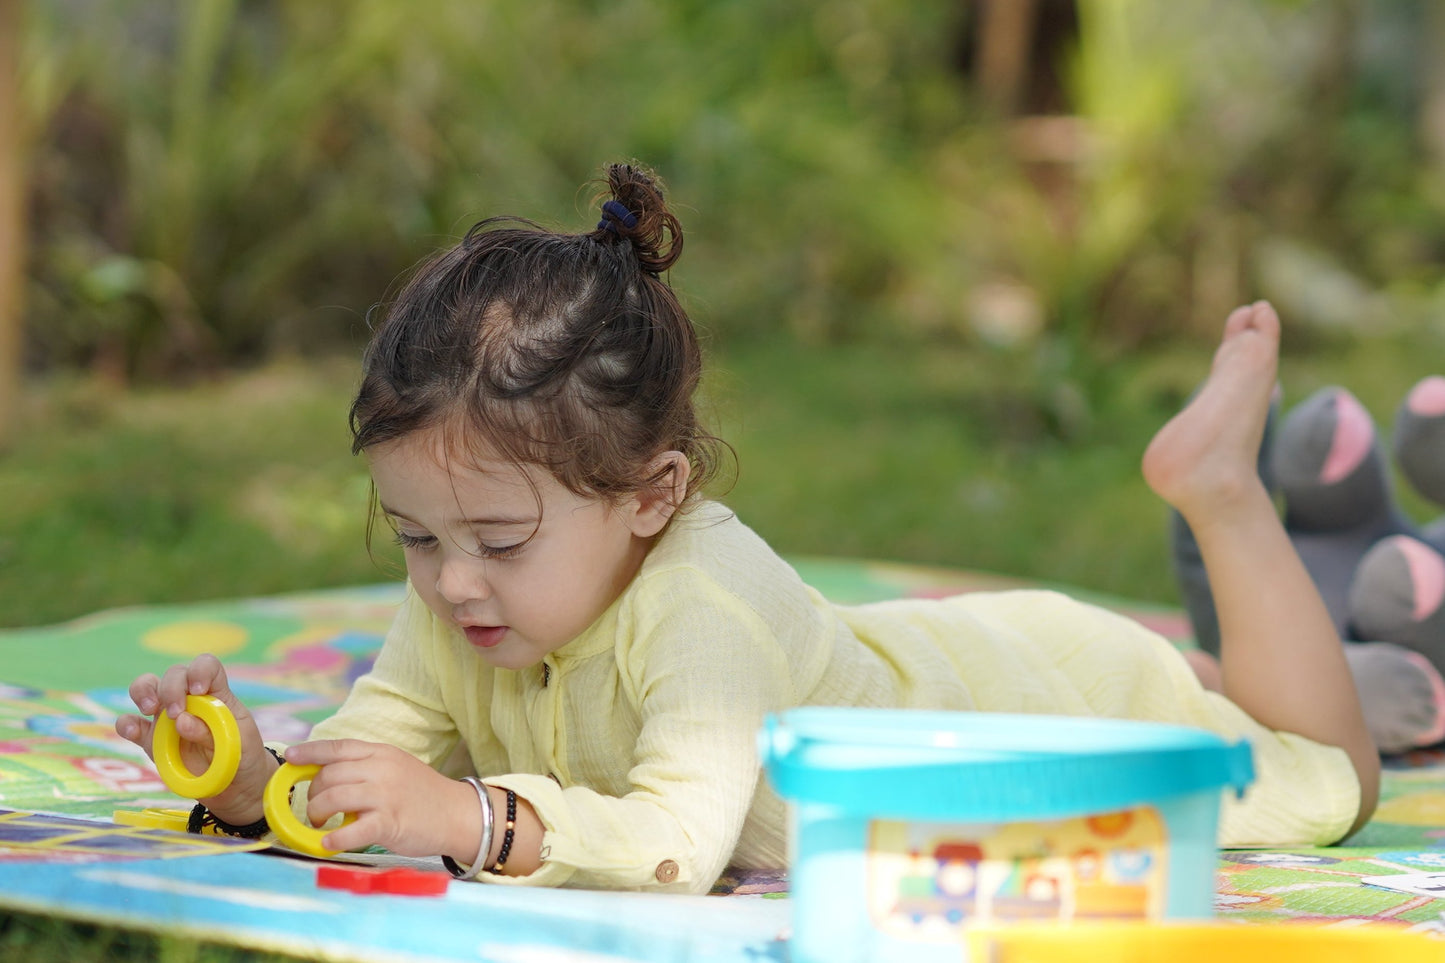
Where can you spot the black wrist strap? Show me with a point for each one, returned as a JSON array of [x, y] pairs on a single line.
[[201, 817]]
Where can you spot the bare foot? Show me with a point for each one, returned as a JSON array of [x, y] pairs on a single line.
[[1207, 455]]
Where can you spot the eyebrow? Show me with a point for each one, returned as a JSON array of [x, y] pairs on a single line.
[[499, 521]]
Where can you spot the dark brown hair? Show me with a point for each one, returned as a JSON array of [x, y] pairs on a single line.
[[565, 351]]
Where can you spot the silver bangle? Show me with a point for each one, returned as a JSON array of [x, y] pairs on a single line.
[[488, 824]]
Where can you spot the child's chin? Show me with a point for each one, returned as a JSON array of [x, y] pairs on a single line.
[[505, 656]]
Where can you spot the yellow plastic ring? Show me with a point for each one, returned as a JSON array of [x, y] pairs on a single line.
[[225, 759], [276, 802]]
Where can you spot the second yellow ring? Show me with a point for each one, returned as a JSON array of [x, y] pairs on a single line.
[[283, 822]]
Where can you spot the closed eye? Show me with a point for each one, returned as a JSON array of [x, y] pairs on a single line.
[[421, 542]]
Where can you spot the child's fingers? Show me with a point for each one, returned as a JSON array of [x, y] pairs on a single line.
[[171, 691], [324, 752], [143, 692], [352, 836], [136, 729], [322, 804], [192, 729], [205, 675], [336, 775]]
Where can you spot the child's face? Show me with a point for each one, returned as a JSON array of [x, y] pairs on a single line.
[[521, 569]]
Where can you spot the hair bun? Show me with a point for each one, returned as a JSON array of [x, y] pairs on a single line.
[[637, 212]]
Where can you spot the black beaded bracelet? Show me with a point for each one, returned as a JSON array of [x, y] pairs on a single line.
[[201, 817], [506, 849]]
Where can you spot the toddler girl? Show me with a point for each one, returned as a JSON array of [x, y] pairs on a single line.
[[592, 646]]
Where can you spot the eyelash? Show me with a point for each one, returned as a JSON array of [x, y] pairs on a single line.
[[424, 542], [414, 541]]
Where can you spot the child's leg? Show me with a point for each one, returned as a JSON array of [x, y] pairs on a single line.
[[1282, 660], [1189, 572]]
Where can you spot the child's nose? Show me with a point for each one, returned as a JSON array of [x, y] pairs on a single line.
[[462, 579]]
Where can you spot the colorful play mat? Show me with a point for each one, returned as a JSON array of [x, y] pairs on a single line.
[[292, 659]]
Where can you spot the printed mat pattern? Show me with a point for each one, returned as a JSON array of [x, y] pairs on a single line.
[[292, 659]]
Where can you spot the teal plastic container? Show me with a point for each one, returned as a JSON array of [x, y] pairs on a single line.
[[910, 826]]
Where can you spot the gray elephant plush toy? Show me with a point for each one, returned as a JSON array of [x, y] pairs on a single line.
[[1381, 574]]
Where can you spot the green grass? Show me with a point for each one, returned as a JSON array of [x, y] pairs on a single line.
[[40, 939], [932, 457], [244, 486]]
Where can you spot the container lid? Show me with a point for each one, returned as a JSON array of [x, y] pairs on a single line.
[[988, 766]]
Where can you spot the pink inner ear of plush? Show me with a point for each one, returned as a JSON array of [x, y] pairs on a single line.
[[1427, 398], [1354, 435], [1427, 574], [1437, 688]]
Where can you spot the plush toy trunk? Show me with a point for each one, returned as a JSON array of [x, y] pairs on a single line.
[[907, 827]]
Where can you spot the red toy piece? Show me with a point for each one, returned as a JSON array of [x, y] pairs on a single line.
[[366, 880]]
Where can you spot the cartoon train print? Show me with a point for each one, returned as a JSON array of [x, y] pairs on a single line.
[[936, 878]]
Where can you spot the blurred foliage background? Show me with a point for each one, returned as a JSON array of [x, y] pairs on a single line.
[[956, 259]]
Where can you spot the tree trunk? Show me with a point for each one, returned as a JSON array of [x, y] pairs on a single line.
[[12, 219], [1432, 119], [1005, 37]]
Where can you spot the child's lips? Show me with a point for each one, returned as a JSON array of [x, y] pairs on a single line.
[[485, 636]]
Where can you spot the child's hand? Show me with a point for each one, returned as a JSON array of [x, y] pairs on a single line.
[[240, 802], [400, 802]]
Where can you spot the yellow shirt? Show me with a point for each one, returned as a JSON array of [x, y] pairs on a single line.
[[636, 741]]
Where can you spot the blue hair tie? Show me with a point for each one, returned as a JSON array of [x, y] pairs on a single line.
[[619, 212]]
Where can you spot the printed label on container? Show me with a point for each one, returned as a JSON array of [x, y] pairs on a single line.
[[927, 881]]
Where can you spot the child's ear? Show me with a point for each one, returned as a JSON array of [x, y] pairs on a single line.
[[650, 510]]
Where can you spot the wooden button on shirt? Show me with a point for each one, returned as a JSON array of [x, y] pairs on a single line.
[[666, 871]]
